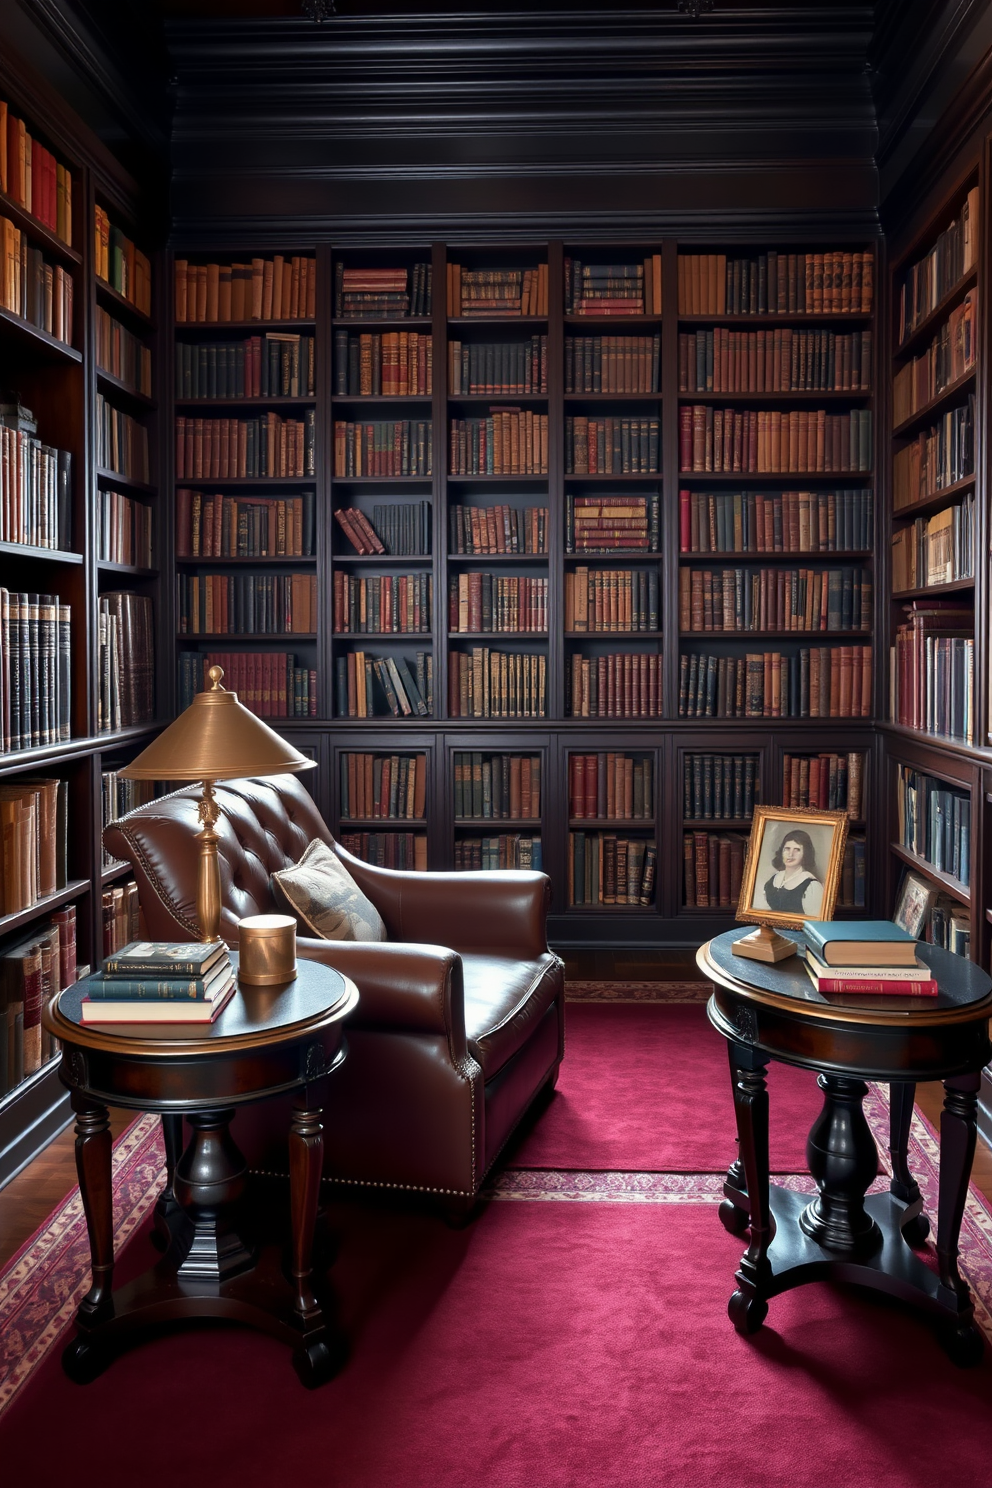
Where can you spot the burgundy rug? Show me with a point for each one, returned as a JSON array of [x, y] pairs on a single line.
[[646, 1087], [549, 1344], [575, 1335]]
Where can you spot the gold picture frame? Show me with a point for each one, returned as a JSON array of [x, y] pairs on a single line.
[[782, 892]]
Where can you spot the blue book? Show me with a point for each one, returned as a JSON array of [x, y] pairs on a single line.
[[860, 942]]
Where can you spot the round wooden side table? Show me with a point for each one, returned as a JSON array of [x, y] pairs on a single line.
[[770, 1011], [266, 1041]]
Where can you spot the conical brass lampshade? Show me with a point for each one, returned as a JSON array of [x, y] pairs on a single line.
[[216, 738]]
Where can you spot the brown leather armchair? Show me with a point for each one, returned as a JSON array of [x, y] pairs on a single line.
[[460, 1021]]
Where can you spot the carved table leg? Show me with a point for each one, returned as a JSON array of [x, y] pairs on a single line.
[[843, 1159], [209, 1185], [320, 1353], [82, 1359], [167, 1209], [958, 1129], [734, 1214], [916, 1226], [747, 1307]]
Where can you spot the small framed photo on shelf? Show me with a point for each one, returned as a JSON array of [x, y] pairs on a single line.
[[791, 875], [913, 903]]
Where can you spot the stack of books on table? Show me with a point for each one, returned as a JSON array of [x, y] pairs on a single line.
[[161, 982], [868, 956]]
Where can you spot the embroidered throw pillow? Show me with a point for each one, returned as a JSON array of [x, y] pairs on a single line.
[[325, 898]]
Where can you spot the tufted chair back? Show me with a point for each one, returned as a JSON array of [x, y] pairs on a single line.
[[264, 824]]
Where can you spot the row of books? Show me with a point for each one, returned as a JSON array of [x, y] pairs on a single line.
[[222, 526], [612, 288], [835, 282], [366, 686], [611, 599], [776, 361], [606, 869], [482, 602], [932, 672], [783, 522], [936, 458], [803, 599], [277, 288], [494, 787], [624, 684], [934, 822], [712, 869], [402, 850], [927, 281], [382, 294], [35, 669], [948, 925], [509, 441], [382, 603], [394, 448], [487, 854], [503, 369], [121, 442], [612, 446], [483, 683], [281, 364], [270, 684], [392, 786], [830, 781], [35, 483], [772, 441], [122, 354], [811, 682], [32, 177], [34, 838], [117, 797], [401, 528], [610, 787], [241, 449], [39, 292], [721, 787], [383, 364], [498, 529], [604, 524], [612, 364], [486, 293], [935, 550], [121, 916], [124, 529], [952, 352], [246, 604], [31, 972], [120, 263], [125, 661]]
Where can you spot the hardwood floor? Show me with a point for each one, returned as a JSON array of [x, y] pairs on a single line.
[[30, 1197]]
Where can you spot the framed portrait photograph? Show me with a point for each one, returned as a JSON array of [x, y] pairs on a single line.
[[793, 866], [913, 903]]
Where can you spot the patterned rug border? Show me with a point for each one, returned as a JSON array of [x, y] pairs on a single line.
[[661, 992], [43, 1284]]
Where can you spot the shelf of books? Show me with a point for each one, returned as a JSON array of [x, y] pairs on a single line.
[[936, 583], [77, 534], [504, 557]]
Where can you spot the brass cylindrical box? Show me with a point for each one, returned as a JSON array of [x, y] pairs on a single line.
[[266, 949]]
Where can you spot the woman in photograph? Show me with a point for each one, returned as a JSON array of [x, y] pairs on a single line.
[[795, 888]]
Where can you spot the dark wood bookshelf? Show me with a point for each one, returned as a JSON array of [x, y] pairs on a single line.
[[933, 503], [936, 405], [121, 305]]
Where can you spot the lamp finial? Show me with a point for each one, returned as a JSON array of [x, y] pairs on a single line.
[[215, 673]]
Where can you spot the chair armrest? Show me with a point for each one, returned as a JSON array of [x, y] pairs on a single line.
[[408, 988], [504, 912]]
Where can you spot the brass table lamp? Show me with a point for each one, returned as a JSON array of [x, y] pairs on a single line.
[[216, 738]]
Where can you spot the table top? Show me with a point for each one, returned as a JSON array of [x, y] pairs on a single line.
[[254, 1016], [965, 988]]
